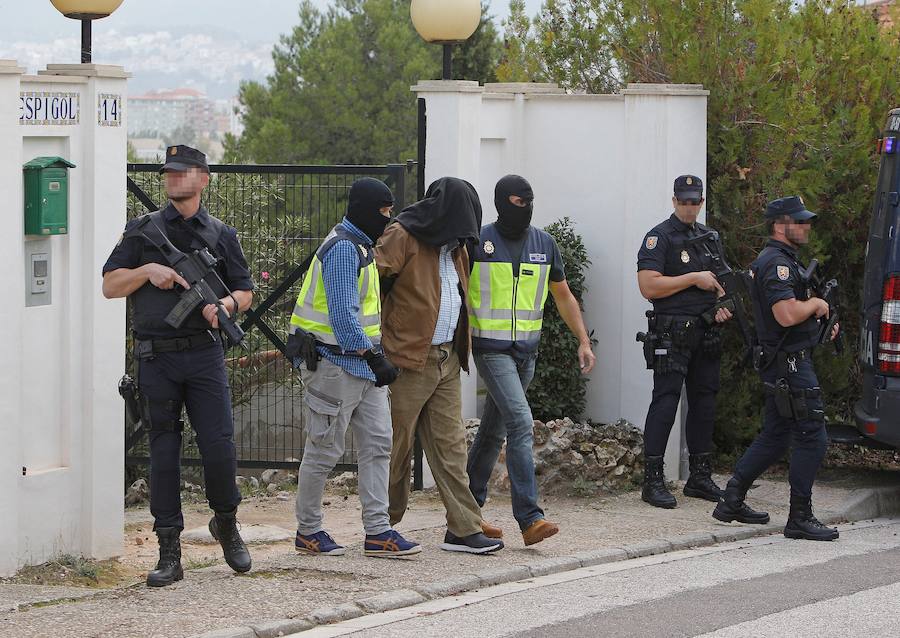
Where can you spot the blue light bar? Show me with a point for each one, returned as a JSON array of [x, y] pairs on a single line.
[[890, 145]]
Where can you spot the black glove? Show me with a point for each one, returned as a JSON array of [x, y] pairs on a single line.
[[385, 372]]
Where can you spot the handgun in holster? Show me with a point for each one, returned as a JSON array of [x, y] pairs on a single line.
[[128, 390], [649, 339]]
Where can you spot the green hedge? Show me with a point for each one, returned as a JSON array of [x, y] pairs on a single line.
[[559, 388], [798, 93]]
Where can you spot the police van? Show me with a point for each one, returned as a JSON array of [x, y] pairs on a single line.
[[877, 413]]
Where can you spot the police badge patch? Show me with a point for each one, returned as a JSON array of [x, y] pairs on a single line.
[[651, 242], [685, 257], [364, 251], [784, 273], [489, 247]]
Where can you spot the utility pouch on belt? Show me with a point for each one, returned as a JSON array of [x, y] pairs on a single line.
[[783, 402], [794, 403], [663, 351], [302, 344]]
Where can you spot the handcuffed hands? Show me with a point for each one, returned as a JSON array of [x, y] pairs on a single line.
[[384, 370]]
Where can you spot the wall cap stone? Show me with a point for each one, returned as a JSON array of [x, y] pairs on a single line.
[[637, 88], [87, 70], [10, 67], [447, 86]]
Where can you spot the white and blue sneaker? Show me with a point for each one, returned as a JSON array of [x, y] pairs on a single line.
[[389, 544]]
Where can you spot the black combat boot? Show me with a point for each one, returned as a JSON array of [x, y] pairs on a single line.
[[224, 528], [655, 491], [168, 569], [700, 483], [733, 508], [803, 525]]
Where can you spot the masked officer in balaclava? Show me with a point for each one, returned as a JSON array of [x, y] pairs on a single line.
[[340, 307], [515, 266]]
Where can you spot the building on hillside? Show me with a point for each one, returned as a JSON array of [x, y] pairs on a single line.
[[148, 149], [885, 11], [160, 113]]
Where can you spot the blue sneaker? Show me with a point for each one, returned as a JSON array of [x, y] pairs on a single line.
[[390, 543], [320, 544]]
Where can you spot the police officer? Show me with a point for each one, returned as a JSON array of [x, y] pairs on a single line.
[[338, 315], [788, 324], [183, 367], [515, 266], [683, 350]]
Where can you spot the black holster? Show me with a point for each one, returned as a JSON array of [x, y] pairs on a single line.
[[667, 343], [128, 390], [792, 403]]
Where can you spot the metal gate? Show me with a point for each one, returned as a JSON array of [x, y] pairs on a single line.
[[281, 213]]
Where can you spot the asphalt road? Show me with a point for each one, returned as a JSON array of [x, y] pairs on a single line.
[[762, 587]]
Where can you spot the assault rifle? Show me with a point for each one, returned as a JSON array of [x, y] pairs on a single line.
[[829, 292], [734, 283], [195, 268]]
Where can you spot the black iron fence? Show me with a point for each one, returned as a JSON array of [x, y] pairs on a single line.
[[282, 214]]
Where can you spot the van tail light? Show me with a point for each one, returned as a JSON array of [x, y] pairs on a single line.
[[889, 343]]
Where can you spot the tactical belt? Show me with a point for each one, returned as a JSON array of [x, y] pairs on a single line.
[[687, 321], [147, 348], [333, 349]]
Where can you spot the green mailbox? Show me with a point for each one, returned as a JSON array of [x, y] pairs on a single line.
[[47, 196]]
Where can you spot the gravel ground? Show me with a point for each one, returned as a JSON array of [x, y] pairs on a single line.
[[284, 584]]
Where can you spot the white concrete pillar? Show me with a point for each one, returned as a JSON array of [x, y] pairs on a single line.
[[61, 419], [99, 340], [12, 264]]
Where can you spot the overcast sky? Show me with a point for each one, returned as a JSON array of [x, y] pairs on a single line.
[[207, 44], [254, 19]]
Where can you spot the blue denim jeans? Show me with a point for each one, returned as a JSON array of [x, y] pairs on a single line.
[[507, 415]]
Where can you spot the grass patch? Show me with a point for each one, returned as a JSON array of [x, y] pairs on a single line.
[[69, 570], [584, 488], [201, 563]]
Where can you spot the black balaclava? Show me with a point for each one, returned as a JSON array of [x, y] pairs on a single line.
[[450, 213], [513, 221], [367, 196]]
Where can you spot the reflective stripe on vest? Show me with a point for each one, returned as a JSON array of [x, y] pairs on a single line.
[[505, 307], [311, 309]]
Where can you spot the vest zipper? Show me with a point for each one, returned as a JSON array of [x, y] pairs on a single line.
[[515, 296]]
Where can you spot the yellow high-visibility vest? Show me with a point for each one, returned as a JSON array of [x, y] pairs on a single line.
[[505, 307], [311, 310]]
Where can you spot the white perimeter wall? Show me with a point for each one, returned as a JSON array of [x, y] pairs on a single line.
[[607, 162], [61, 419]]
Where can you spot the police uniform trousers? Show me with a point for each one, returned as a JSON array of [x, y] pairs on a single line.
[[701, 383], [195, 379], [806, 438]]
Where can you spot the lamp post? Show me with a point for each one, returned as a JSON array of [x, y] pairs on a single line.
[[86, 11], [446, 22]]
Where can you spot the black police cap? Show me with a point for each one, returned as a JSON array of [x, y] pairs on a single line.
[[183, 158], [792, 206], [688, 187]]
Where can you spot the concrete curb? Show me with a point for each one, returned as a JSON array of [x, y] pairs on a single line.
[[862, 504]]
